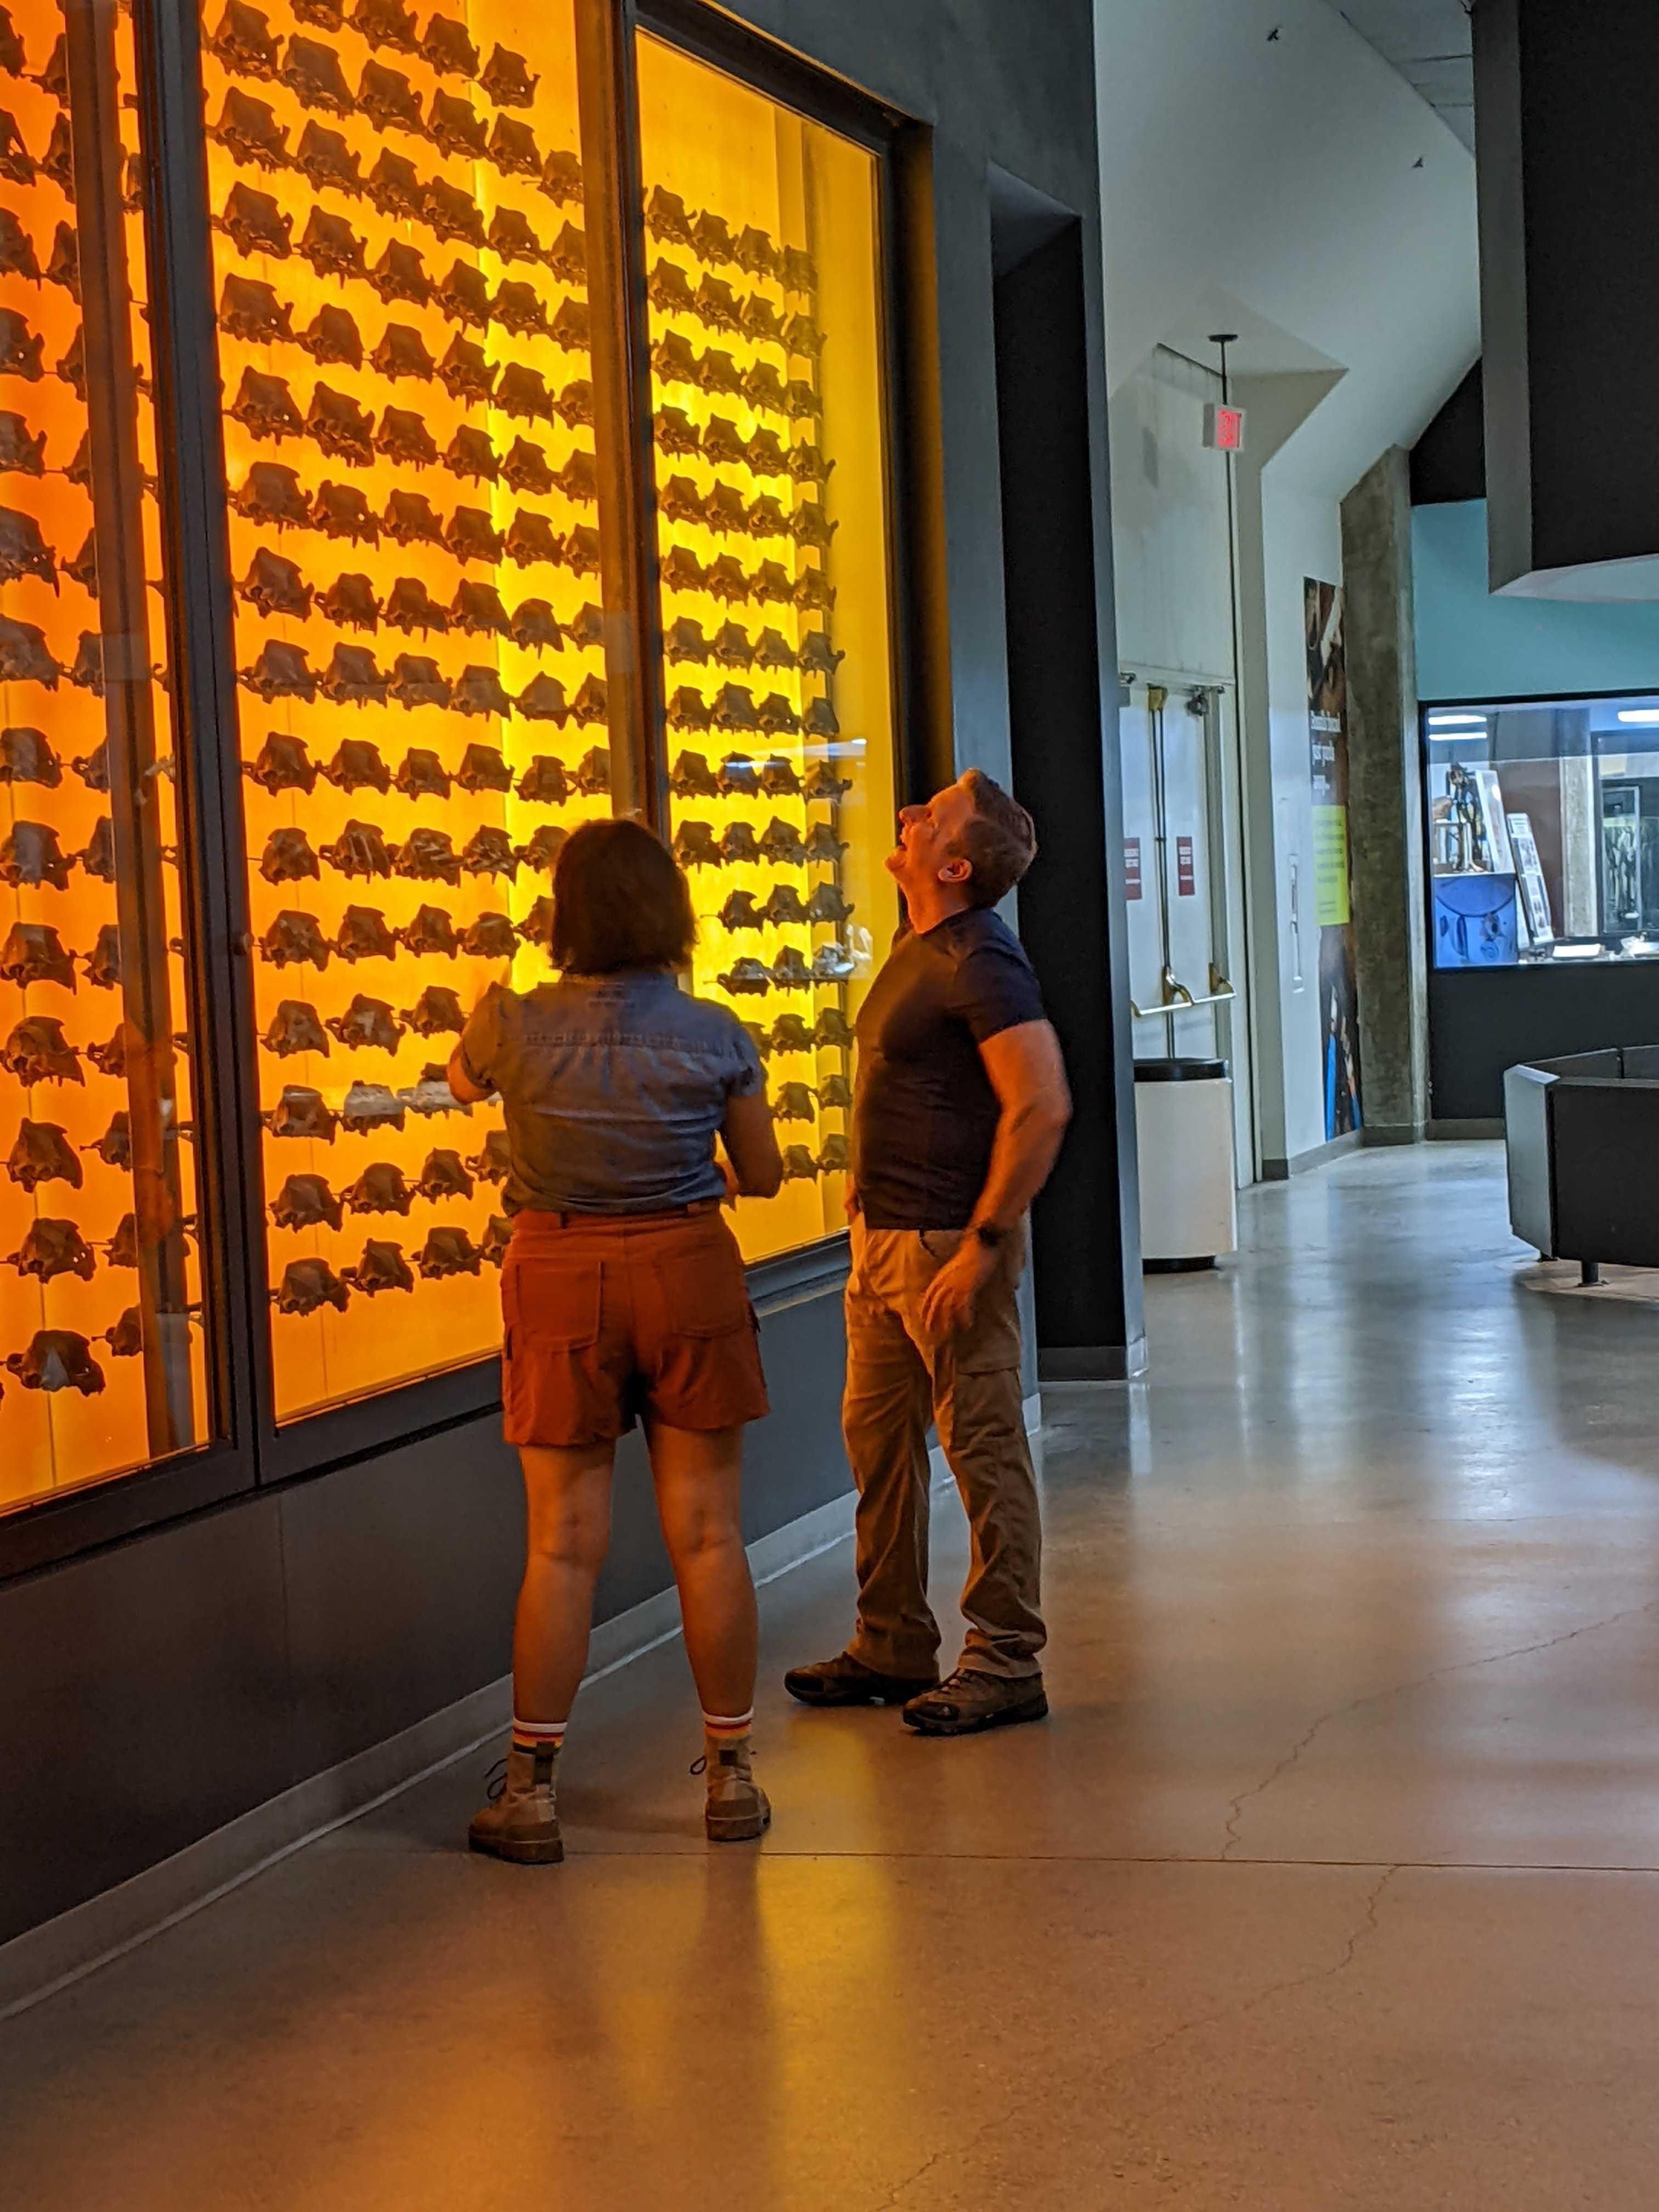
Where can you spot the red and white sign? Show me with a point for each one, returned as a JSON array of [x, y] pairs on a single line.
[[1131, 868], [1224, 429], [1186, 874]]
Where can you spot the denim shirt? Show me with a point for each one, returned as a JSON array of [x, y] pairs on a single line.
[[613, 1091]]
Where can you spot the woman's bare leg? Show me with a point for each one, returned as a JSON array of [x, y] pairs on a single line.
[[698, 1475], [569, 1494]]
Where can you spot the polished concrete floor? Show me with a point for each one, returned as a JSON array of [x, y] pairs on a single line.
[[1333, 1880]]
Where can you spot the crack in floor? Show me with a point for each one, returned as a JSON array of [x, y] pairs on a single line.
[[1230, 1836]]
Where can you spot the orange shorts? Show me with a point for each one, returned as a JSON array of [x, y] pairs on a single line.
[[608, 1316]]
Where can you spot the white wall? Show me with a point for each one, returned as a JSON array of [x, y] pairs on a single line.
[[1272, 188]]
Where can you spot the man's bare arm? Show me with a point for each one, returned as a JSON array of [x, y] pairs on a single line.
[[1028, 1075]]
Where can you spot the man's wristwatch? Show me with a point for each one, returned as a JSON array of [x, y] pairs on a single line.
[[989, 1235]]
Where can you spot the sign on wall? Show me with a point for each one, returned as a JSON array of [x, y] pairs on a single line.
[[1131, 868], [1328, 740]]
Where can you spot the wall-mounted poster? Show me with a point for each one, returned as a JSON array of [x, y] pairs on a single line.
[[1328, 739]]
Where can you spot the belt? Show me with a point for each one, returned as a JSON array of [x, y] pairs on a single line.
[[533, 1218]]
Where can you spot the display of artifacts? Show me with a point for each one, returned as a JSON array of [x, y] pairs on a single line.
[[1530, 871]]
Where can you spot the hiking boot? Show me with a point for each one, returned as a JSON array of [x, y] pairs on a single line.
[[737, 1809], [970, 1701], [845, 1680], [520, 1823]]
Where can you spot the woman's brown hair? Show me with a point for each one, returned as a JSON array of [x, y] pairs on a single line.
[[619, 901]]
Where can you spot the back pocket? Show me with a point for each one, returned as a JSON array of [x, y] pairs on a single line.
[[704, 1293], [553, 1305]]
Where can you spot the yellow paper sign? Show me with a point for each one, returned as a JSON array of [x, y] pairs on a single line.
[[1330, 858]]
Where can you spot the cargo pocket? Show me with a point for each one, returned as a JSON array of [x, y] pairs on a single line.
[[703, 1293]]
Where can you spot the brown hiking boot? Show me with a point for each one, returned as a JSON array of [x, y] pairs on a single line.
[[845, 1680], [970, 1701], [521, 1821], [737, 1809]]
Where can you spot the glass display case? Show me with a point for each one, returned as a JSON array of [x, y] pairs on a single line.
[[430, 613], [1543, 826], [101, 1363], [764, 284]]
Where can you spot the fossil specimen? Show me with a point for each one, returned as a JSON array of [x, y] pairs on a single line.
[[382, 1267], [732, 647], [717, 305], [472, 536], [293, 940], [428, 856], [822, 782], [447, 48], [494, 1162], [403, 436], [536, 927], [97, 856], [24, 656], [725, 579], [332, 246], [400, 274], [681, 500], [357, 766], [30, 854], [694, 846], [417, 681], [797, 270], [682, 572], [83, 569], [380, 1189], [307, 1285], [464, 297], [453, 214], [288, 857], [798, 1165], [359, 850], [21, 348], [815, 591], [583, 552], [497, 1236], [667, 217], [305, 1201], [402, 352], [734, 708], [765, 455], [386, 23], [421, 775], [545, 782], [410, 607], [737, 843], [543, 700], [759, 319], [243, 41], [22, 452], [574, 403], [281, 671], [794, 1103], [740, 912], [255, 224], [23, 550], [465, 375], [511, 238], [747, 977], [394, 186], [835, 1090], [820, 721], [114, 1147], [676, 432], [740, 778], [483, 768], [343, 511], [470, 454], [543, 848], [800, 400], [249, 130], [588, 625], [389, 101], [340, 426], [822, 844], [15, 163], [26, 756], [836, 1157], [431, 930], [364, 935], [409, 519], [57, 162], [42, 1153], [514, 150], [323, 157], [36, 1051], [300, 1112], [312, 72], [264, 406], [831, 964], [827, 904], [487, 852], [507, 80], [251, 309], [349, 602], [56, 1359], [669, 288], [591, 773], [283, 764], [333, 337], [691, 777], [781, 843], [370, 1106], [448, 1252], [296, 1028], [110, 1057], [365, 1023], [88, 670], [490, 938], [518, 306], [766, 519], [686, 642], [478, 611], [530, 538], [436, 1012], [811, 525], [571, 327], [523, 395], [689, 710]]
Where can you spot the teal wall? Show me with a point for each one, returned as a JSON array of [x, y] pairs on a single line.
[[1471, 645]]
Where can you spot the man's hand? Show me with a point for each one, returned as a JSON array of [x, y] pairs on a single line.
[[949, 1300]]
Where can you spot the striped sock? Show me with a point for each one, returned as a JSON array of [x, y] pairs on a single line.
[[537, 1735], [726, 1728]]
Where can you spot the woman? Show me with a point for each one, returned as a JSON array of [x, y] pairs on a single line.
[[624, 1296]]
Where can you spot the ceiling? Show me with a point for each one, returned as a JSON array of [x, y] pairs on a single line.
[[1428, 42]]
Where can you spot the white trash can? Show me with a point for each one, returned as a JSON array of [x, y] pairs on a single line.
[[1184, 1127]]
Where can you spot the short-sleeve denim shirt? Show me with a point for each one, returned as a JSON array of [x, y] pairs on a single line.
[[613, 1088]]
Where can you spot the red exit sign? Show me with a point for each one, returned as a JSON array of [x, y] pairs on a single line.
[[1224, 429]]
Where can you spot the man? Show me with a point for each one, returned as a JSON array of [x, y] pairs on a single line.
[[960, 1106]]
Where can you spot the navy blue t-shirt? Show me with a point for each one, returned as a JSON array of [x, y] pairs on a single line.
[[925, 1115]]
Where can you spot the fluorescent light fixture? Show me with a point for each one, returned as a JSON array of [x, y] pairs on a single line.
[[1638, 714], [1468, 721]]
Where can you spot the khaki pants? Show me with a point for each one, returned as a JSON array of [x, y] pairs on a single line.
[[899, 1378]]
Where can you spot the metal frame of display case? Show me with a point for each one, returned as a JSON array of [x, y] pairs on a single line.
[[248, 1451]]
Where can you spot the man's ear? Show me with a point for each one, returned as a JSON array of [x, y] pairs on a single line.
[[957, 870]]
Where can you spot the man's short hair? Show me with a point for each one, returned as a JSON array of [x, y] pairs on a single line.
[[999, 838]]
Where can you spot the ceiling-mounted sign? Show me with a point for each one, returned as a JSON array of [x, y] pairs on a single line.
[[1224, 429]]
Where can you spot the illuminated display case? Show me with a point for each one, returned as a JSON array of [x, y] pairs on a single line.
[[514, 449], [101, 1363]]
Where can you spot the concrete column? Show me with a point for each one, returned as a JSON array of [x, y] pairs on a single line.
[[1385, 802]]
